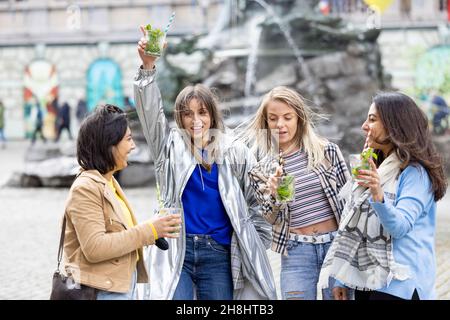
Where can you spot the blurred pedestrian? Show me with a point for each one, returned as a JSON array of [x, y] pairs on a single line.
[[448, 10], [337, 6], [2, 126], [440, 112], [63, 121], [405, 8], [81, 112], [324, 7], [204, 5], [39, 123], [127, 104]]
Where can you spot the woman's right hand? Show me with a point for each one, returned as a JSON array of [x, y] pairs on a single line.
[[168, 226], [147, 61], [272, 183]]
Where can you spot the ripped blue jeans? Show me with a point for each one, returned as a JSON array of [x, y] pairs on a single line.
[[300, 271], [206, 273]]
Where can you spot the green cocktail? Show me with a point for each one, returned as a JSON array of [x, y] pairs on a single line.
[[155, 41], [361, 161], [286, 188]]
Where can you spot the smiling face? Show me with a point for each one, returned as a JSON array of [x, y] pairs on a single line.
[[284, 118], [196, 120], [375, 132], [122, 150]]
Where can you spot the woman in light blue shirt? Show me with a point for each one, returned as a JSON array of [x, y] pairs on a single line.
[[385, 244]]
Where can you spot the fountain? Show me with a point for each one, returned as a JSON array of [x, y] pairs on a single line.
[[286, 42], [298, 55], [255, 46], [255, 35]]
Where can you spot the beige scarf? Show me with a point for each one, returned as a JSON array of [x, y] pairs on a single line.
[[361, 255]]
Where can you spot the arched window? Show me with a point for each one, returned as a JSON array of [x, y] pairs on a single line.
[[104, 84]]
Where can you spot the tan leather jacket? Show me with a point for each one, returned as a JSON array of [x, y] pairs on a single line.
[[99, 247]]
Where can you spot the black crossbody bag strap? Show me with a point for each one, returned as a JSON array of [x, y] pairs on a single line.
[[61, 242]]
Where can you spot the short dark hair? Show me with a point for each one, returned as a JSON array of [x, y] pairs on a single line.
[[407, 129], [98, 133]]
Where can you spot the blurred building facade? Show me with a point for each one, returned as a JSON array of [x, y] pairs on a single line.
[[63, 50], [71, 49]]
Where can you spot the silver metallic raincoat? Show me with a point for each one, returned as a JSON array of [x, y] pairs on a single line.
[[174, 164]]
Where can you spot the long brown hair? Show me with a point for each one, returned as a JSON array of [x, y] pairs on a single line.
[[407, 129], [208, 100]]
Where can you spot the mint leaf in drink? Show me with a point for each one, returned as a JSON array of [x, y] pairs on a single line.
[[355, 171], [286, 190], [364, 163], [154, 41], [368, 153]]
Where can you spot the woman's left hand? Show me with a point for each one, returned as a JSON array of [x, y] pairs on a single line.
[[272, 182], [370, 179]]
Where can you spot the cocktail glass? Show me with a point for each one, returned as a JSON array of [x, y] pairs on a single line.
[[286, 188], [166, 211], [155, 41]]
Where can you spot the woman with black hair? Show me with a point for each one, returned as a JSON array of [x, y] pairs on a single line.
[[385, 243], [103, 242]]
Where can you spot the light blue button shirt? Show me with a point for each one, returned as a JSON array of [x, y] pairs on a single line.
[[410, 219]]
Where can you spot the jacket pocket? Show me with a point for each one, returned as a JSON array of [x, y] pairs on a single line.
[[113, 225], [121, 260], [217, 247]]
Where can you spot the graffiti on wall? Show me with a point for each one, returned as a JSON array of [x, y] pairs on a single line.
[[104, 84], [433, 70], [40, 91], [433, 86]]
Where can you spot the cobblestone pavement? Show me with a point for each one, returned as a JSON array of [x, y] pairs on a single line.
[[29, 233]]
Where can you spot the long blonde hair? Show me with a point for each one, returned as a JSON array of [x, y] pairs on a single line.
[[257, 130]]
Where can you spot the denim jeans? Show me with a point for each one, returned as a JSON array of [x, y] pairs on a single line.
[[300, 271], [206, 273], [130, 295]]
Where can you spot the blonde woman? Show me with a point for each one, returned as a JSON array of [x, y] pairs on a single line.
[[302, 229]]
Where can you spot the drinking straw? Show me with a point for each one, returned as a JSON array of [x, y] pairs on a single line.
[[367, 141], [158, 196], [170, 22]]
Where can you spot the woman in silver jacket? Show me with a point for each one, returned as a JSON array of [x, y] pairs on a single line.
[[227, 258]]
